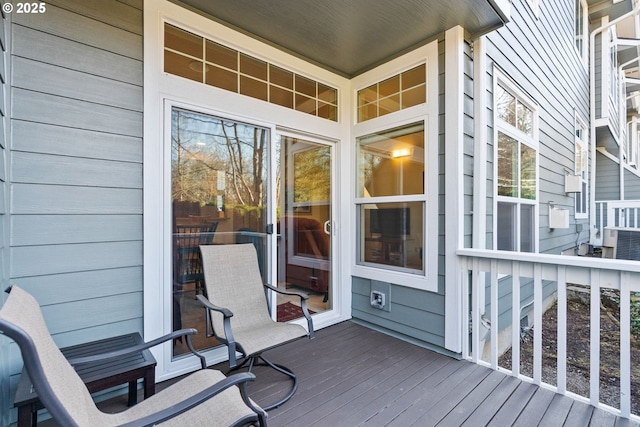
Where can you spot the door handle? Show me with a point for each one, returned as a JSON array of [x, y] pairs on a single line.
[[327, 227]]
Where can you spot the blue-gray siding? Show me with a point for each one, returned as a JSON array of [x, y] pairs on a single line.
[[539, 55], [631, 185], [607, 178], [76, 168], [5, 357]]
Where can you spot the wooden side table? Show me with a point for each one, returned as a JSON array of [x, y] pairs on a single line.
[[96, 376]]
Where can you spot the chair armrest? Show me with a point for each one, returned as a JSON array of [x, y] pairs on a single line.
[[303, 305], [206, 394], [204, 301], [302, 295], [143, 346], [226, 322]]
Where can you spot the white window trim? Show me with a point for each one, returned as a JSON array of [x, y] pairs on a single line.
[[161, 88], [584, 55], [584, 142], [535, 7], [427, 113], [500, 78]]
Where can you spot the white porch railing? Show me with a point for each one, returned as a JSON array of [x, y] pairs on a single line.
[[485, 274], [615, 213]]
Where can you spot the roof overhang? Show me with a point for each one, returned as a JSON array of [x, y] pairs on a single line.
[[350, 37]]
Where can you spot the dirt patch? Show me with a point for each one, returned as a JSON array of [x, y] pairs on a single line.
[[578, 352]]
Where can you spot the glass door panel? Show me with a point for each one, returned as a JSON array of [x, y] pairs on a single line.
[[304, 224], [219, 193]]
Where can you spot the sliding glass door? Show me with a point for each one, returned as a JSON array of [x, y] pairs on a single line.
[[219, 195], [304, 223], [232, 182]]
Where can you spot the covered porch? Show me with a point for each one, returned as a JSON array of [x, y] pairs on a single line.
[[351, 375]]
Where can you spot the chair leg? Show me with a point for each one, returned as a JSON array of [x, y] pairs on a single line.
[[259, 360]]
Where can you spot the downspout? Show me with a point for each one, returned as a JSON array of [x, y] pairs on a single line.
[[592, 110]]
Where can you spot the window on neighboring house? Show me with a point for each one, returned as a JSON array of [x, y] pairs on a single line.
[[582, 156], [633, 142], [517, 169], [391, 186], [581, 29], [614, 73]]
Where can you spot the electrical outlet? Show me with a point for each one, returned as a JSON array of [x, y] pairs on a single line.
[[377, 299]]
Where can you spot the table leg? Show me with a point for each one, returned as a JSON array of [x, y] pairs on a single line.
[[149, 382], [133, 393], [27, 416]]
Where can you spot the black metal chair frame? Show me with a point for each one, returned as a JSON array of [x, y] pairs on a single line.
[[257, 358], [55, 407]]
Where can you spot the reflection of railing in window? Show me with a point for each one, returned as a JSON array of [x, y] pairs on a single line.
[[188, 264]]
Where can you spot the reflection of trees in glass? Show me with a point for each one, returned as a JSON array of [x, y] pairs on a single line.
[[311, 175], [211, 157], [513, 111], [516, 168], [507, 165]]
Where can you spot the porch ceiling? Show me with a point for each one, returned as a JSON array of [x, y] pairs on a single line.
[[352, 36]]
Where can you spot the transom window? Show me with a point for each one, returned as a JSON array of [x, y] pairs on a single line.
[[516, 169], [197, 58], [396, 93]]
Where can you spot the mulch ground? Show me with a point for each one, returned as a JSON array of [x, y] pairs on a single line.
[[578, 352]]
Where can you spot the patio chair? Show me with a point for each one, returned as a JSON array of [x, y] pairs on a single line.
[[237, 312], [205, 397]]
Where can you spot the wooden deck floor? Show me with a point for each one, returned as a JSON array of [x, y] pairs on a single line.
[[353, 376]]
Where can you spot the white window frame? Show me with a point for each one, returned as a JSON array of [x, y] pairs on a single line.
[[532, 141], [162, 89], [535, 7], [582, 53], [582, 144], [427, 113]]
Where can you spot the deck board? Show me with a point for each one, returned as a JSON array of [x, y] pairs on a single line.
[[351, 375]]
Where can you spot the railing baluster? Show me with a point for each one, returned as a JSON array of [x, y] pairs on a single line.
[[594, 375], [476, 311], [594, 274], [515, 319], [625, 344], [562, 330], [537, 324], [494, 314]]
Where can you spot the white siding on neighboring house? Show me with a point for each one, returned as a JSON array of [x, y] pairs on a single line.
[[76, 168]]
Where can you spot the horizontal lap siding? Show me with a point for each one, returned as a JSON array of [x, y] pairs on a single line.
[[539, 55], [631, 185], [607, 178], [5, 346], [76, 167]]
